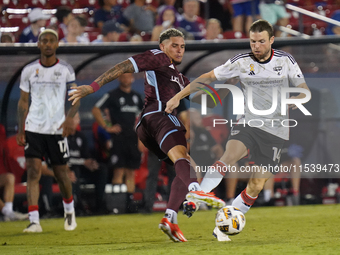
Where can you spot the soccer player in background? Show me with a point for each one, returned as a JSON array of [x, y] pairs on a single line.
[[261, 70], [43, 127], [121, 106], [161, 133]]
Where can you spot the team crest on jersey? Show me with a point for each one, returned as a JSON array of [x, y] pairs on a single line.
[[36, 73], [176, 79], [252, 71], [57, 74], [278, 69], [135, 99], [122, 100], [79, 141]]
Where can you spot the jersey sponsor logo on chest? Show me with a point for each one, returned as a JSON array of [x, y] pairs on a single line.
[[177, 80]]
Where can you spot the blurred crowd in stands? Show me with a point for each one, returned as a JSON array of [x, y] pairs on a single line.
[[84, 21]]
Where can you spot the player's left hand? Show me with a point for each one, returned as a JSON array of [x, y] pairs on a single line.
[[77, 93], [171, 105], [67, 126]]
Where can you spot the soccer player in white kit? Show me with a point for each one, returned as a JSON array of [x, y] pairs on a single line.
[[43, 127], [262, 71]]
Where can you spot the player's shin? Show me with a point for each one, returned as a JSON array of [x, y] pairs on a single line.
[[177, 196], [187, 174]]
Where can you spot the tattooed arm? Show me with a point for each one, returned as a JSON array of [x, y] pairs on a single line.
[[110, 75], [22, 114]]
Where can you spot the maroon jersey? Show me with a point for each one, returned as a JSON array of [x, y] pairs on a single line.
[[162, 79]]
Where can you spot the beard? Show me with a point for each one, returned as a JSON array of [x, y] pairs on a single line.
[[264, 55]]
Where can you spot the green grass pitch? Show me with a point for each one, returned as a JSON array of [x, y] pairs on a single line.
[[269, 230]]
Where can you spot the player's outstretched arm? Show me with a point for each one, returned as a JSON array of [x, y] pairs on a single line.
[[110, 75], [222, 93], [194, 86], [22, 114]]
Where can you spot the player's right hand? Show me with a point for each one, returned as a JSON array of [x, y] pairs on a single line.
[[77, 93], [21, 139], [172, 104]]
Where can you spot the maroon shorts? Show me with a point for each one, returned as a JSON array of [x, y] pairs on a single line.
[[160, 132]]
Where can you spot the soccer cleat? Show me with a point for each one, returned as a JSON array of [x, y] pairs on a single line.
[[172, 230], [189, 208], [220, 236], [33, 228], [70, 221], [209, 198], [14, 216]]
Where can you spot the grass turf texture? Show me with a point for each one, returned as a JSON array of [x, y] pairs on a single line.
[[269, 230]]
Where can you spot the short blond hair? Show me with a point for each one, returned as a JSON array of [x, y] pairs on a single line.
[[170, 32]]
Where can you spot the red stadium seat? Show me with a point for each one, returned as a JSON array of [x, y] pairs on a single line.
[[141, 174], [33, 3], [92, 4], [2, 156], [15, 158], [233, 35], [17, 20], [57, 3]]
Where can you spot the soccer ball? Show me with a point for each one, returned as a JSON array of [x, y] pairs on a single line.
[[230, 220]]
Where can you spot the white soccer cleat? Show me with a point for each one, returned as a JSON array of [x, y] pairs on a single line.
[[14, 216], [70, 221], [208, 198], [33, 228], [220, 236]]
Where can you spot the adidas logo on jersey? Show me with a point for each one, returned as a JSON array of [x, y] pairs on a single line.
[[252, 71]]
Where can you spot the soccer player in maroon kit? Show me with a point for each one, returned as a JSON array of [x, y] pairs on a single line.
[[160, 132]]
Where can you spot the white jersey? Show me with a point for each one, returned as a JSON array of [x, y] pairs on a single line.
[[261, 78], [48, 87]]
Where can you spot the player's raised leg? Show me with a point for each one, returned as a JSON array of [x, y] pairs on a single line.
[[65, 186], [33, 166]]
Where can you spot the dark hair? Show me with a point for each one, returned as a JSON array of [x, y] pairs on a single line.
[[160, 16], [101, 3], [262, 25], [82, 20], [170, 32], [62, 12]]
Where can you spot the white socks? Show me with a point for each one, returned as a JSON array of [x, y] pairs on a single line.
[[171, 215], [69, 208], [243, 201], [34, 217], [211, 180], [194, 186], [8, 208]]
